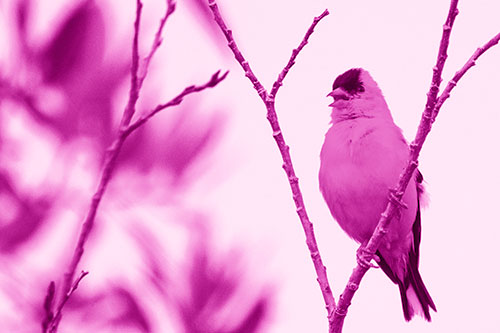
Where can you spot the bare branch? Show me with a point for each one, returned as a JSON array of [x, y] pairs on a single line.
[[47, 306], [458, 75], [57, 315], [237, 53], [134, 81], [156, 43], [214, 80], [109, 164], [268, 100], [279, 81]]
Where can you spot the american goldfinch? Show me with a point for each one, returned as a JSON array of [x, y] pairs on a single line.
[[362, 157]]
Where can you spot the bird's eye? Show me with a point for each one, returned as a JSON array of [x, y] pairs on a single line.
[[350, 81], [339, 97]]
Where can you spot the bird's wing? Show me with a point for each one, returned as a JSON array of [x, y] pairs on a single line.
[[417, 225]]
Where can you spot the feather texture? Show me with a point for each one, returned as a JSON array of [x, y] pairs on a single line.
[[361, 159]]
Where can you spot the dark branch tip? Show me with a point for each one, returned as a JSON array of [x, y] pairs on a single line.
[[215, 79], [49, 298]]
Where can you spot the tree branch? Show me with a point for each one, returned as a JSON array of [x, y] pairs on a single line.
[[214, 80], [279, 81], [68, 286], [156, 43], [134, 81], [237, 53], [58, 314], [268, 99], [458, 75]]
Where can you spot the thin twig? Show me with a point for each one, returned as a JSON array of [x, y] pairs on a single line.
[[156, 43], [111, 155], [237, 53], [279, 81], [68, 286], [134, 81], [214, 80], [58, 314], [268, 99], [47, 306], [415, 147], [460, 73]]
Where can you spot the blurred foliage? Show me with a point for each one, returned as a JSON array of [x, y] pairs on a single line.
[[63, 95]]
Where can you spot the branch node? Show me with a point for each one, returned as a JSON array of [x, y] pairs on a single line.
[[269, 99], [352, 286], [396, 198], [261, 90], [382, 230], [340, 312]]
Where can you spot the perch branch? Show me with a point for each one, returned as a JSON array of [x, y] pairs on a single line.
[[415, 147], [268, 99]]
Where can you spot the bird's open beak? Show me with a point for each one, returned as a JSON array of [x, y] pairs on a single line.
[[338, 94]]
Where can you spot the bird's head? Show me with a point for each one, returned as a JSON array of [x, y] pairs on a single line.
[[355, 94]]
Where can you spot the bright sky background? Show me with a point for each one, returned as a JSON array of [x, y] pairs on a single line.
[[245, 189]]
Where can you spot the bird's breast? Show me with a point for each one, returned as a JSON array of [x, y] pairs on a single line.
[[360, 160]]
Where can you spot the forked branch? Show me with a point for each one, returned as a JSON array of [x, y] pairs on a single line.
[[268, 99]]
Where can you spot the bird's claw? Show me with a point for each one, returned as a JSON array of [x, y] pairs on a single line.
[[363, 257], [393, 196]]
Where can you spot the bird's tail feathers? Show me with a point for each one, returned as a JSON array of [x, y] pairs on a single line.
[[415, 298], [419, 299]]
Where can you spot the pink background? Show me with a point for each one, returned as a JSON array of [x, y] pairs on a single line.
[[238, 186]]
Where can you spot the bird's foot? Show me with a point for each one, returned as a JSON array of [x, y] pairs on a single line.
[[363, 257]]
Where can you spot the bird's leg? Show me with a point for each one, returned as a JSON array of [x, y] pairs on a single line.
[[363, 257]]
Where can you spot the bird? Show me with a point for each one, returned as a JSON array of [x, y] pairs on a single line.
[[363, 154]]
